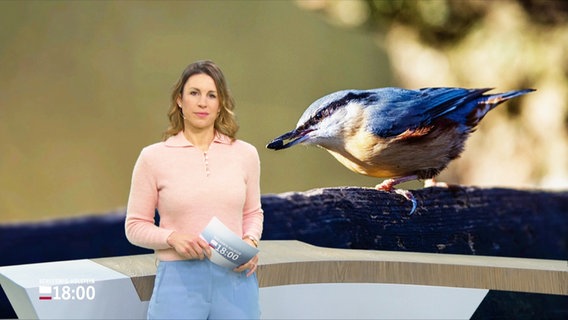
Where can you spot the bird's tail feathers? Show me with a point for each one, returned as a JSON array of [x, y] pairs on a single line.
[[495, 99], [487, 102]]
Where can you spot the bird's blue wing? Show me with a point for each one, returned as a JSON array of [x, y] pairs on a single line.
[[397, 110]]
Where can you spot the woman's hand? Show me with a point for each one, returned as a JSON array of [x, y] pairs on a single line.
[[188, 246], [250, 265]]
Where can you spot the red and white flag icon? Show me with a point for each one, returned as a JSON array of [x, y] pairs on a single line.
[[44, 292]]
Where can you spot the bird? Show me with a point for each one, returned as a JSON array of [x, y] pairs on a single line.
[[394, 133]]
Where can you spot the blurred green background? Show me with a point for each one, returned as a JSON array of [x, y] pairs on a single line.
[[85, 85]]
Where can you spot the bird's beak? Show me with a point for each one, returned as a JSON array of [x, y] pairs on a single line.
[[288, 139]]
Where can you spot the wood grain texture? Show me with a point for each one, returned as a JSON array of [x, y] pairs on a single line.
[[294, 262], [457, 220], [140, 268]]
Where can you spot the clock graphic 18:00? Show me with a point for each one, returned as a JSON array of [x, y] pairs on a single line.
[[73, 292]]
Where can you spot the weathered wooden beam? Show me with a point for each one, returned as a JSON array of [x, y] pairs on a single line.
[[459, 220]]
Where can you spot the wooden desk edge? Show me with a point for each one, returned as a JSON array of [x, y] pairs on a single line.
[[294, 262]]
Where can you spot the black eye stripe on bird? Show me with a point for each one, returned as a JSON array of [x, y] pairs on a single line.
[[379, 132], [335, 104]]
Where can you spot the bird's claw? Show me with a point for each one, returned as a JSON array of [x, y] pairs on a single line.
[[409, 196], [388, 186]]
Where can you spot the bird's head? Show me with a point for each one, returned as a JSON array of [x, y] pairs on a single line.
[[327, 120]]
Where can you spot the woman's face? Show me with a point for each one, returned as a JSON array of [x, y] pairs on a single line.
[[199, 102]]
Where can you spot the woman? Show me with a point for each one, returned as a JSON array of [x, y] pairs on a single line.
[[199, 171]]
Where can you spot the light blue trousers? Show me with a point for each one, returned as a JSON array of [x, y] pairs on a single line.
[[200, 289]]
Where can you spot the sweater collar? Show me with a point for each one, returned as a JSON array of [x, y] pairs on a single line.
[[179, 140]]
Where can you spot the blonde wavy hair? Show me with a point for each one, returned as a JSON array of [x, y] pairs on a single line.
[[226, 122]]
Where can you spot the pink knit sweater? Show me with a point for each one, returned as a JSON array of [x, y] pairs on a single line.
[[189, 187]]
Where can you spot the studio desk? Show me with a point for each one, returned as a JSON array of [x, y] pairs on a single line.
[[296, 280]]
